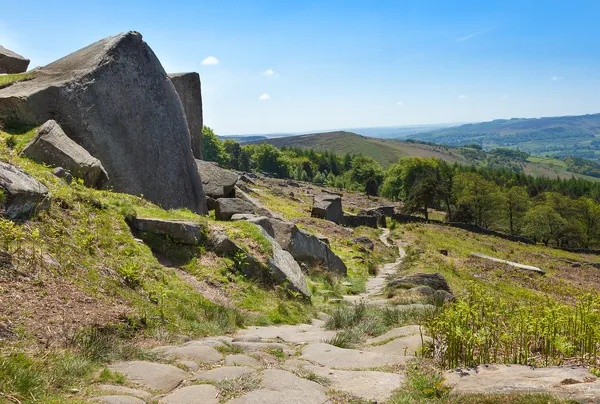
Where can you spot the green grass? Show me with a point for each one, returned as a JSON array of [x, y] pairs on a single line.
[[9, 79]]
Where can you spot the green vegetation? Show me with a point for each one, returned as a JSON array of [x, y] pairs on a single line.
[[9, 79]]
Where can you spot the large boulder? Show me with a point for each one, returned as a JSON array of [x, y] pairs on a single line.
[[52, 147], [11, 62], [259, 208], [21, 195], [435, 281], [189, 89], [361, 220], [217, 182], [227, 207], [182, 231], [284, 269], [115, 100], [328, 206]]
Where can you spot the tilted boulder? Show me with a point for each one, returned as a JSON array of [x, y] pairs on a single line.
[[52, 147], [21, 195], [259, 208], [183, 231], [227, 207], [221, 244], [11, 62], [328, 206], [189, 89], [115, 100], [217, 182], [284, 269], [435, 281]]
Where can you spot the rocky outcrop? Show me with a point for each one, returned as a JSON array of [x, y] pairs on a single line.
[[115, 100], [223, 245], [259, 208], [52, 147], [227, 207], [11, 62], [435, 281], [365, 243], [328, 207], [188, 87], [21, 195], [360, 220], [182, 231], [284, 269], [217, 182]]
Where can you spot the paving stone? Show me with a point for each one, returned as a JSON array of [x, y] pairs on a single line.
[[191, 365], [297, 334], [117, 400], [259, 346], [224, 372], [201, 353], [155, 376], [402, 346], [395, 333], [340, 358], [281, 380], [110, 388], [241, 360], [198, 394], [265, 358], [281, 397]]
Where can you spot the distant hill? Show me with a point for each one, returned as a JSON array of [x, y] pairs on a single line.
[[562, 136], [388, 151], [243, 138], [396, 132]]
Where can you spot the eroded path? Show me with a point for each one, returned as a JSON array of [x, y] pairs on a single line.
[[276, 364]]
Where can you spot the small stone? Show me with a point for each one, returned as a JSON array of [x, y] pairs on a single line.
[[155, 376]]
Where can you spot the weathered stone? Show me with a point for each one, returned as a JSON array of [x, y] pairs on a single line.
[[198, 394], [434, 280], [281, 397], [200, 353], [240, 360], [110, 388], [365, 242], [188, 364], [64, 174], [297, 334], [117, 400], [259, 208], [189, 89], [360, 220], [409, 345], [284, 269], [281, 380], [227, 207], [217, 182], [211, 203], [52, 147], [243, 216], [115, 100], [572, 383], [328, 207], [221, 244], [395, 333], [154, 376], [225, 373], [258, 346], [182, 231], [340, 358], [11, 62], [22, 195]]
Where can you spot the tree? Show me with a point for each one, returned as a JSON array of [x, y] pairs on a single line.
[[392, 183], [234, 150], [516, 201], [589, 213], [269, 159], [543, 223], [365, 169], [479, 195], [421, 186], [212, 147]]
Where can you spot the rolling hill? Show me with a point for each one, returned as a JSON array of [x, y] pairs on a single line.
[[556, 136], [388, 151]]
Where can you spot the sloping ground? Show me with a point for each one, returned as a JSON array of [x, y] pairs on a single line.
[[385, 151]]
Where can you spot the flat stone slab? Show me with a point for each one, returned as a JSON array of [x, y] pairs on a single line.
[[510, 263], [281, 380], [281, 397], [155, 376], [406, 346], [117, 400], [225, 373], [110, 388], [241, 360], [369, 385], [395, 333], [340, 358], [201, 353], [198, 394], [574, 383], [298, 334], [258, 346]]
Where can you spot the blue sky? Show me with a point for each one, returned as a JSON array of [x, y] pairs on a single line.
[[340, 64]]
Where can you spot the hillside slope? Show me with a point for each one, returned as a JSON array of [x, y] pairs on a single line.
[[559, 136]]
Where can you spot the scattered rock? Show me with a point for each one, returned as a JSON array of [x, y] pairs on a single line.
[[281, 397], [281, 380], [189, 90], [23, 195], [227, 207], [117, 400], [435, 281], [205, 354], [110, 388], [243, 216], [115, 100], [182, 231], [423, 290], [444, 252], [198, 394], [52, 147], [328, 207], [395, 333], [11, 62], [258, 346], [223, 245], [259, 208], [340, 358], [154, 376], [511, 263], [225, 373], [64, 174], [365, 242], [241, 360], [217, 182], [360, 220], [296, 334], [189, 365], [441, 296], [245, 178]]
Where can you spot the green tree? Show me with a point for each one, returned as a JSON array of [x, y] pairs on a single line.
[[392, 182], [589, 213], [364, 169], [421, 185], [543, 223], [212, 148], [479, 195], [269, 159], [516, 201]]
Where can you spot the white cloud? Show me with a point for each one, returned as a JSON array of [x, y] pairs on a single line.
[[399, 103], [470, 36], [211, 60], [555, 78], [264, 97], [462, 96], [268, 72]]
